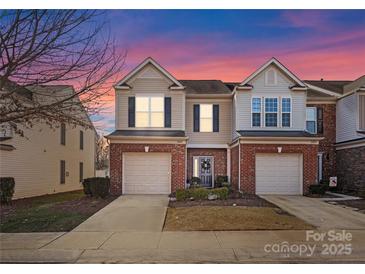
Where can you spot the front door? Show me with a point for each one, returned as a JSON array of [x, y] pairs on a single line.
[[203, 168]]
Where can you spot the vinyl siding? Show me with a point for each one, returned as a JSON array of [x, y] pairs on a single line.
[[260, 89], [225, 123], [152, 82], [35, 163], [347, 119]]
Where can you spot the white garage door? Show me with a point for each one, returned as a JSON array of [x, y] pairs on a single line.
[[146, 173], [279, 174]]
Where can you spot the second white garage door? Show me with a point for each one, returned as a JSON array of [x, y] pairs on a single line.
[[146, 173], [279, 174]]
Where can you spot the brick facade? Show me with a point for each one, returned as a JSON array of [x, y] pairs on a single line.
[[220, 159], [234, 166], [248, 163], [351, 169], [327, 144], [177, 163]]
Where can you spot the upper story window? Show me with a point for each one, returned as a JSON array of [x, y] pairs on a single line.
[[361, 112], [271, 112], [149, 111], [81, 140], [270, 77], [206, 118], [311, 120], [285, 112], [63, 134], [256, 112]]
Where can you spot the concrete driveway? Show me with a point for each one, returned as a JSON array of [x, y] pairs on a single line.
[[129, 213], [319, 213]]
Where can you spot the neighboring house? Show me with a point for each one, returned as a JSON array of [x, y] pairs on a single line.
[[346, 106], [270, 134], [48, 160]]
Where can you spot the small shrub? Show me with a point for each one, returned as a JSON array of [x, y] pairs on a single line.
[[97, 186], [318, 189], [86, 183], [182, 194], [199, 193], [7, 185], [220, 180], [221, 192], [195, 182]]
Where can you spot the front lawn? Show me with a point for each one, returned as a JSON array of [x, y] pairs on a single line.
[[203, 218], [49, 213]]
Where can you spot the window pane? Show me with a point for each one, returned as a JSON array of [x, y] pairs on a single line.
[[256, 119], [256, 105], [271, 104], [157, 119], [271, 119], [285, 122], [157, 103], [286, 105], [206, 125], [311, 126], [206, 111], [311, 114], [142, 103], [142, 119]]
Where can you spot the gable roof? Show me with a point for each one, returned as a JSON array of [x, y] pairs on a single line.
[[205, 87], [149, 60], [357, 84], [276, 62], [335, 86]]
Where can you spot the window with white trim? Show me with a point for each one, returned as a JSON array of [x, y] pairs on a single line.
[[256, 112], [311, 120], [206, 118], [270, 77], [271, 112], [150, 111], [285, 112]]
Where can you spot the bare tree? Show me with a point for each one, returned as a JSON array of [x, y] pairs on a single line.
[[102, 152], [54, 47]]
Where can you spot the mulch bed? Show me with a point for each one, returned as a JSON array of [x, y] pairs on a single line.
[[248, 200], [359, 204], [48, 213]]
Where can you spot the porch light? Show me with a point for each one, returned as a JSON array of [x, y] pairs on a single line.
[[146, 148], [279, 149]]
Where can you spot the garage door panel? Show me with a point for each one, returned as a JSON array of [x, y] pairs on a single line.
[[146, 173], [278, 174]]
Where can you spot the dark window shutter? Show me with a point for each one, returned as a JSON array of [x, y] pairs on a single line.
[[63, 172], [215, 118], [81, 139], [167, 111], [63, 134], [196, 118], [131, 111], [81, 171], [319, 120]]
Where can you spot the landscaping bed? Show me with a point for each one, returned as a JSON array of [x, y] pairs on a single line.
[[359, 205], [234, 198], [224, 218], [50, 213]]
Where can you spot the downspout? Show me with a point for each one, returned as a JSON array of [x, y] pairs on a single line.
[[239, 165]]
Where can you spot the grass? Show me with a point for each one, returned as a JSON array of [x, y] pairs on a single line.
[[49, 213], [205, 218]]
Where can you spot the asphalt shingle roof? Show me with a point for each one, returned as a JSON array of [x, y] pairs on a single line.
[[205, 87]]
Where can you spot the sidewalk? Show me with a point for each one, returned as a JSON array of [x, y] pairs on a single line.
[[167, 247]]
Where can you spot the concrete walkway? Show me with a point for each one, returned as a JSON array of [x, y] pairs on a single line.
[[169, 247], [319, 213], [129, 213]]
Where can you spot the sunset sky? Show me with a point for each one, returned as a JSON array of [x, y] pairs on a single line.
[[230, 44]]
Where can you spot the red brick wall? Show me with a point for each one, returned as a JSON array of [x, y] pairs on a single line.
[[234, 166], [177, 163], [220, 159], [327, 144], [248, 152]]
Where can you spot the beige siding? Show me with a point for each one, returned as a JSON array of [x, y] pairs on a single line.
[[150, 81], [260, 89], [35, 163], [225, 123]]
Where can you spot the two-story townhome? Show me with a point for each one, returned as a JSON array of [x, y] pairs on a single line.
[[47, 160], [270, 134], [345, 108]]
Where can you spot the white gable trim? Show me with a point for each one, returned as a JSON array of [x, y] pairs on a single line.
[[325, 91], [147, 61], [277, 63]]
